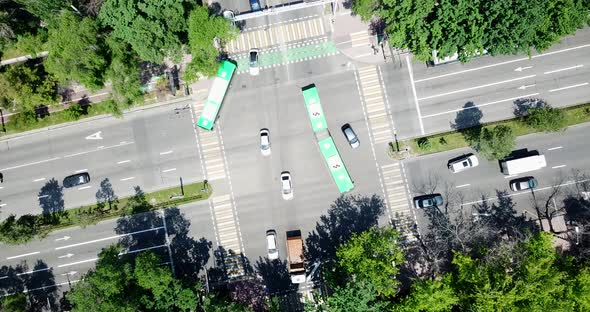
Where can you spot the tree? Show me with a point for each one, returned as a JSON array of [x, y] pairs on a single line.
[[366, 9], [140, 285], [46, 10], [547, 119], [76, 51], [436, 295], [18, 231], [497, 142], [24, 87], [204, 53], [372, 258], [355, 297], [107, 195], [14, 303], [154, 29]]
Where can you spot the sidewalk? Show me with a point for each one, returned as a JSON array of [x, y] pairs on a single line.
[[354, 38]]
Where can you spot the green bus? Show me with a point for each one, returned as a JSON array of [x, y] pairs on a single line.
[[325, 141], [216, 95]]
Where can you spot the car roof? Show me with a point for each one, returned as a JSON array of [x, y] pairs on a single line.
[[270, 241]]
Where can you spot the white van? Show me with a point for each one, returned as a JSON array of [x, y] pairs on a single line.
[[514, 166]]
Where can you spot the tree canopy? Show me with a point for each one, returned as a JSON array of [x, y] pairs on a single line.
[[76, 51], [26, 86], [469, 27], [546, 119], [496, 142], [154, 29]]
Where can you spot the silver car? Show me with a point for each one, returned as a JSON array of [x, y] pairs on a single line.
[[522, 184], [286, 185], [351, 137], [271, 244], [427, 201]]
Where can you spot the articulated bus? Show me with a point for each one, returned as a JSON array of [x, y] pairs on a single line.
[[216, 95], [325, 141]]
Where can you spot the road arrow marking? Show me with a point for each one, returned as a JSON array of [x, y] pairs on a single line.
[[65, 238], [66, 256], [69, 273], [519, 69], [526, 86], [94, 136]]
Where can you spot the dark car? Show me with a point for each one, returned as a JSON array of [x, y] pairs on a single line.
[[427, 201], [351, 137], [255, 5], [76, 179]]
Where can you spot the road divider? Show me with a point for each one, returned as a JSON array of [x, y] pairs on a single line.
[[21, 230]]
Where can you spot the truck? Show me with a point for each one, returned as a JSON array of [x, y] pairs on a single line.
[[514, 166], [295, 256]]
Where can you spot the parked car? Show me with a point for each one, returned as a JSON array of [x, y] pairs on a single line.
[[271, 244], [522, 184], [254, 68], [255, 5], [427, 201], [265, 142], [76, 179], [351, 137], [229, 15], [286, 185], [463, 163]]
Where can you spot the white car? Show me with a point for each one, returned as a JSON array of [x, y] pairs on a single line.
[[265, 142], [254, 68], [271, 244], [287, 187], [463, 163]]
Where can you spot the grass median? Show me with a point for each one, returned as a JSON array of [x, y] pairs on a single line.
[[24, 229], [454, 139]]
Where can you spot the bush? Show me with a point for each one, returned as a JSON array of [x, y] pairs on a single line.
[[424, 144], [496, 143], [23, 119], [73, 112], [18, 231], [547, 119]]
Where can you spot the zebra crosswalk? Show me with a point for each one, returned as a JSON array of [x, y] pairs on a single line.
[[360, 39], [276, 34], [397, 199], [376, 110]]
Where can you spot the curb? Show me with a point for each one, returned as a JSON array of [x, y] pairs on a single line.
[[93, 118]]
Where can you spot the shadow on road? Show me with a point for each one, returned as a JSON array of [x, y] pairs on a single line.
[[40, 286], [522, 106], [468, 122], [51, 199], [106, 199]]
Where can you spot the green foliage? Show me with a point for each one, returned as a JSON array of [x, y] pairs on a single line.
[[431, 295], [546, 119], [75, 51], [372, 257], [366, 9], [468, 27], [46, 10], [24, 87], [355, 297], [23, 119], [203, 51], [140, 285], [32, 43], [17, 231], [74, 112], [14, 303], [153, 28], [497, 142], [424, 144]]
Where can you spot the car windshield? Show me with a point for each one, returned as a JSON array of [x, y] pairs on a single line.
[[253, 58], [264, 144]]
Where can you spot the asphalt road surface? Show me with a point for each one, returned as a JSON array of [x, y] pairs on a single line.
[[151, 148]]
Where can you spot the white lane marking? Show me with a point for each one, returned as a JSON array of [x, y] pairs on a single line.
[[527, 192], [524, 87], [77, 262], [1, 187], [503, 63], [39, 180], [410, 71], [570, 87], [511, 176], [81, 170], [480, 105], [100, 148], [30, 164], [123, 162], [28, 272], [562, 69], [166, 153], [108, 238], [2, 205], [95, 136], [23, 255], [519, 69], [168, 170], [557, 167], [127, 179], [555, 148], [463, 185], [476, 87], [120, 254], [42, 196], [84, 187]]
